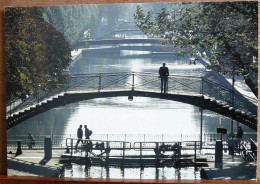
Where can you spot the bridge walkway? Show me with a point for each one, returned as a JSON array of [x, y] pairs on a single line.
[[187, 89]]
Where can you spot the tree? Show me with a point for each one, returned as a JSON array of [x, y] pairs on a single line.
[[73, 20], [36, 54], [225, 32]]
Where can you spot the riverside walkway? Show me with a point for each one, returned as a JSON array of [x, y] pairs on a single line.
[[192, 90]]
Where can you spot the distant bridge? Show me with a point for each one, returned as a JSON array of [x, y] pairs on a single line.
[[192, 90], [89, 43]]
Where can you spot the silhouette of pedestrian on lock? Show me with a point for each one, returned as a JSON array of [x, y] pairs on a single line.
[[31, 141], [87, 132], [239, 136], [164, 73], [79, 135]]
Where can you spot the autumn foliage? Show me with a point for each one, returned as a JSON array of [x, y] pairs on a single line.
[[36, 53]]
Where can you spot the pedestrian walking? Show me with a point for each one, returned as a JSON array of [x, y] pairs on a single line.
[[87, 132], [31, 141], [79, 135], [239, 137]]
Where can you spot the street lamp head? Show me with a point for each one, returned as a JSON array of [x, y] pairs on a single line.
[[130, 98]]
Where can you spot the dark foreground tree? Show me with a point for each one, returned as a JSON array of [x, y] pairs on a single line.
[[224, 32], [36, 54]]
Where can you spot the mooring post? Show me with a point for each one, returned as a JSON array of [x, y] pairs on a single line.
[[47, 148], [19, 149]]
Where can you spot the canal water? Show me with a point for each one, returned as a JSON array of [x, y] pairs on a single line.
[[117, 115]]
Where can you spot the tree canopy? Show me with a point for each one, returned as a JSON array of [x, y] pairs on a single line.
[[36, 53], [224, 32], [73, 20]]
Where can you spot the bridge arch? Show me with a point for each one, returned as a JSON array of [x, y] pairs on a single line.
[[72, 97]]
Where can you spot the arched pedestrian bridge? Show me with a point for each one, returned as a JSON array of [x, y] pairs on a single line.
[[192, 90]]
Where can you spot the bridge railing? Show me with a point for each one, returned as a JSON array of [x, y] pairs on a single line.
[[150, 82], [228, 97], [177, 84]]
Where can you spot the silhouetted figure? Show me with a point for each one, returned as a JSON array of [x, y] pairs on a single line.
[[31, 140], [87, 132], [239, 136], [164, 73], [79, 135]]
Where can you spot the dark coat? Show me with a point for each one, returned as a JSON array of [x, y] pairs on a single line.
[[163, 71], [240, 133], [87, 133], [80, 133]]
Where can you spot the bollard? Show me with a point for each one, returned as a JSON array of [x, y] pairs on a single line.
[[47, 148], [19, 149], [218, 153]]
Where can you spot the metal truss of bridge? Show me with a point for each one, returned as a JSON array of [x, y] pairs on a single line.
[[192, 90]]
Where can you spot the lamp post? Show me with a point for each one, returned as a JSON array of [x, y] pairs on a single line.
[[233, 92], [233, 71]]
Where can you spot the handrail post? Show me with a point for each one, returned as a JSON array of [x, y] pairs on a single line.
[[157, 153], [202, 86], [71, 145], [99, 82], [107, 154], [141, 153], [195, 151], [133, 81], [123, 159]]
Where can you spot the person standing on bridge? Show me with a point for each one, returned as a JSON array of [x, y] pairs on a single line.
[[164, 73], [79, 135]]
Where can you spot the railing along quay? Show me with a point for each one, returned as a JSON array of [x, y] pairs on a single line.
[[59, 141]]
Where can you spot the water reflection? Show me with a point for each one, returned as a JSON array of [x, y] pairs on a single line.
[[82, 171], [119, 116]]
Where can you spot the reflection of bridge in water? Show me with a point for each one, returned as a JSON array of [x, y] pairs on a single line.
[[192, 90]]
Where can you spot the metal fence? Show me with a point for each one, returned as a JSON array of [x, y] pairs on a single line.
[[59, 141]]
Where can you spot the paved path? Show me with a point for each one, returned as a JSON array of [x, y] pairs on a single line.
[[234, 168], [32, 163]]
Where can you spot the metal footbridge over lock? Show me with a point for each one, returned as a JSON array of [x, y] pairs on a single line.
[[192, 90]]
